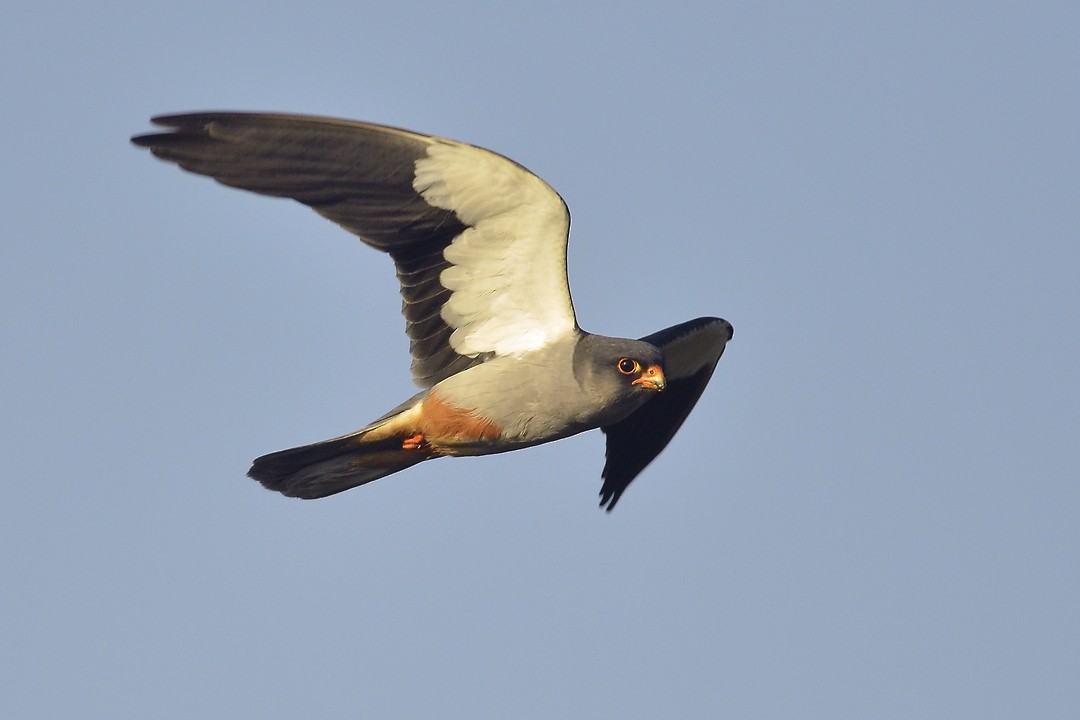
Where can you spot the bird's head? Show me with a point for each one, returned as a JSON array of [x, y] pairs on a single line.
[[619, 374]]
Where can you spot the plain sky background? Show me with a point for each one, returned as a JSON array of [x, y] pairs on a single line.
[[874, 511]]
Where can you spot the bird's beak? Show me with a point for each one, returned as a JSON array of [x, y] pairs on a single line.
[[652, 378]]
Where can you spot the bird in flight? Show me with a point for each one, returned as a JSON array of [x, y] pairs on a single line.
[[479, 245]]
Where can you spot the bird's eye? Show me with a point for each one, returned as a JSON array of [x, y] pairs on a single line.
[[627, 366]]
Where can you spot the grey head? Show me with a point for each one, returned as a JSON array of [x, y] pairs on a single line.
[[619, 375]]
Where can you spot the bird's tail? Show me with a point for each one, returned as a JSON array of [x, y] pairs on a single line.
[[333, 466]]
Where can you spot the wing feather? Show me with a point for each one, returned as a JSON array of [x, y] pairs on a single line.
[[691, 351], [478, 241]]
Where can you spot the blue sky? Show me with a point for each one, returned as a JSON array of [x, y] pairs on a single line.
[[873, 512]]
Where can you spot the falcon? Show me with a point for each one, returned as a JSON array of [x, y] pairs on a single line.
[[479, 245]]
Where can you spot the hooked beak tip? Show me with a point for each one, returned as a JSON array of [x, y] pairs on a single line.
[[652, 378]]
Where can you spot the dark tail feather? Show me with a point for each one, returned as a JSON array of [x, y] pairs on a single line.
[[332, 466]]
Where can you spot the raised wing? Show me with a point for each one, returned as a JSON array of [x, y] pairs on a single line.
[[691, 351], [478, 241]]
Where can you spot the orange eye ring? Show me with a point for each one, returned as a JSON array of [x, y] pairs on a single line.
[[628, 366]]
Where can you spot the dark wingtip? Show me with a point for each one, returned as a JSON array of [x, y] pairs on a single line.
[[608, 498], [172, 120], [180, 126], [272, 474]]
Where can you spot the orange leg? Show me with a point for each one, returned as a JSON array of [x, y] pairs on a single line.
[[416, 442]]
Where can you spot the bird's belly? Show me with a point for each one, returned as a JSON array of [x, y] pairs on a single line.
[[528, 402], [517, 421]]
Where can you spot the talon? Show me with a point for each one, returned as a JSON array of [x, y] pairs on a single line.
[[413, 443]]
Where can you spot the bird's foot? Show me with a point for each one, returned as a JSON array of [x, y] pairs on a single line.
[[416, 442]]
